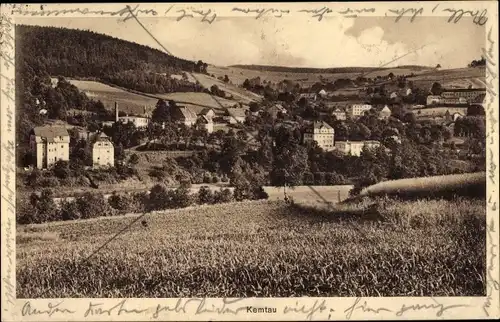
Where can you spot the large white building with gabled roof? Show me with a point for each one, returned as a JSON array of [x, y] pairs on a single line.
[[322, 133]]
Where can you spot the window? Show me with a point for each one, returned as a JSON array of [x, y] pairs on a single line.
[[62, 146]]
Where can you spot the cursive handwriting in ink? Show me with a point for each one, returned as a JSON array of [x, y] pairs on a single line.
[[363, 307], [309, 311], [436, 306], [318, 13], [97, 309], [491, 282], [457, 14], [9, 293], [51, 309], [127, 10], [205, 15], [278, 13], [402, 12], [201, 308], [353, 13]]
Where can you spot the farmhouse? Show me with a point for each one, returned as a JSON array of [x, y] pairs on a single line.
[[439, 111], [433, 99], [207, 123], [356, 110], [49, 144], [138, 121], [207, 112], [354, 147], [322, 133], [185, 116], [235, 115], [103, 151]]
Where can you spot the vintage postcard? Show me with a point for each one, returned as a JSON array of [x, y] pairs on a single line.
[[249, 161]]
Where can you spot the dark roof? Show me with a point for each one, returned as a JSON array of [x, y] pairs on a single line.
[[465, 90], [318, 125], [50, 131], [205, 111]]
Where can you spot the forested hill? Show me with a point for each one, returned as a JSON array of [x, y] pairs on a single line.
[[79, 53]]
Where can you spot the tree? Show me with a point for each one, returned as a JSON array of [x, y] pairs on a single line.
[[205, 196], [134, 159], [436, 89], [162, 112], [289, 158]]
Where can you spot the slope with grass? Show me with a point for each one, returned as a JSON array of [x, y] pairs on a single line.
[[263, 248]]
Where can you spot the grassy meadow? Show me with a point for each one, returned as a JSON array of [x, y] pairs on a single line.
[[127, 102], [263, 248]]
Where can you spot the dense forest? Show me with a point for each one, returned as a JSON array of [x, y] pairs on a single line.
[[83, 54]]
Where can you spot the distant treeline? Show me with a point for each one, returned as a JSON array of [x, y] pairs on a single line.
[[335, 70]]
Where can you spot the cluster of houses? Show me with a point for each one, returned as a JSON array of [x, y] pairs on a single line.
[[324, 135], [50, 144], [355, 111], [185, 115]]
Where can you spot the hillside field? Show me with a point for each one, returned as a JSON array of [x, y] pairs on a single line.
[[127, 102], [262, 248], [237, 75]]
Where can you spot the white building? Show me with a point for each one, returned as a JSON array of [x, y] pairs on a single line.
[[433, 99], [356, 110], [103, 151], [49, 144], [322, 133], [339, 114], [354, 147], [207, 122], [385, 113]]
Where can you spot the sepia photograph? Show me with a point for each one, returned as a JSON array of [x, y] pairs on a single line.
[[278, 153]]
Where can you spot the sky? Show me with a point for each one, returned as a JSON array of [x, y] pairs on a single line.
[[332, 42]]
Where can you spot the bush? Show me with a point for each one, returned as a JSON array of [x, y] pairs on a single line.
[[259, 193], [159, 198], [70, 211], [319, 178], [61, 169], [215, 179], [92, 205], [43, 208], [333, 178], [207, 179], [205, 196], [222, 196], [181, 197], [224, 179], [308, 178], [134, 159], [49, 182]]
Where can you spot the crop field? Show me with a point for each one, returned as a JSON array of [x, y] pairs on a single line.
[[262, 248], [448, 186], [238, 75], [108, 95], [239, 94], [452, 78]]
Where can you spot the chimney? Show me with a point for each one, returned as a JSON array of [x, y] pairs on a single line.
[[116, 112]]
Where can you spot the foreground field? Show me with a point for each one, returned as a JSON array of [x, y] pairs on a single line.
[[262, 248]]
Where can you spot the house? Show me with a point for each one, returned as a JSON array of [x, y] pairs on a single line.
[[103, 151], [356, 110], [322, 133], [408, 92], [393, 95], [452, 116], [49, 144], [355, 147], [235, 115], [385, 113], [277, 108], [308, 96], [433, 99], [339, 114], [322, 93], [138, 121], [184, 115], [207, 123], [207, 112]]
